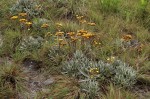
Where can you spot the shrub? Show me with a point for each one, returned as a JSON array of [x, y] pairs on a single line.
[[11, 81], [30, 43], [91, 88], [68, 8], [10, 40], [86, 70], [124, 75], [117, 93], [30, 7], [109, 5]]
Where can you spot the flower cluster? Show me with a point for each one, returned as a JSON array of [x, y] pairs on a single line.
[[127, 37], [93, 72], [22, 18]]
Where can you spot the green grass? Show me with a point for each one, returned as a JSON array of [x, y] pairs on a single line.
[[113, 20]]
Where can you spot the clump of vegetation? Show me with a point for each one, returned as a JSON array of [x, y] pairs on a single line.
[[85, 69], [31, 7], [68, 8], [115, 92], [12, 81], [30, 43], [92, 44], [109, 5]]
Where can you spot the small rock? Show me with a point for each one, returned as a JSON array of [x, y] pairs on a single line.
[[45, 91], [48, 81]]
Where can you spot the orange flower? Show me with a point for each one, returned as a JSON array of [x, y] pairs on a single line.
[[71, 33], [79, 34], [28, 23], [48, 34], [44, 25], [79, 17], [59, 33], [82, 21], [22, 20], [60, 40], [92, 24], [22, 14], [59, 25], [14, 17], [88, 35], [140, 47], [127, 37], [82, 31], [74, 39], [63, 43]]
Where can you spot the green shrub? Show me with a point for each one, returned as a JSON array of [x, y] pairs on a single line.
[[11, 81], [108, 6], [117, 93], [11, 40], [68, 8], [143, 14]]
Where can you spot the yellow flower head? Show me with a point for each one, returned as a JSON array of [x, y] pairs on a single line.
[[111, 59], [44, 25], [94, 71], [82, 31], [88, 35], [22, 14], [82, 21], [79, 34], [74, 39], [59, 33], [140, 47], [63, 43], [28, 23], [48, 34], [59, 25], [97, 43], [79, 17], [37, 6], [127, 37], [14, 17], [22, 20], [92, 24], [71, 33], [60, 40]]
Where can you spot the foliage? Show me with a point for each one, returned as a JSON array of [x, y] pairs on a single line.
[[109, 5], [116, 93], [12, 81], [27, 6], [30, 43], [124, 75], [68, 8], [11, 39], [83, 68], [91, 88], [95, 43]]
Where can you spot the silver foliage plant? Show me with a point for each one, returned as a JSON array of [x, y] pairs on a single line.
[[30, 43], [118, 72], [91, 87], [124, 74], [31, 7]]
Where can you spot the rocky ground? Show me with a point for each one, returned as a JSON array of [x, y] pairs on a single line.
[[36, 82]]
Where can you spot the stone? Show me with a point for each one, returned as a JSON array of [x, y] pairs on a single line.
[[48, 81]]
